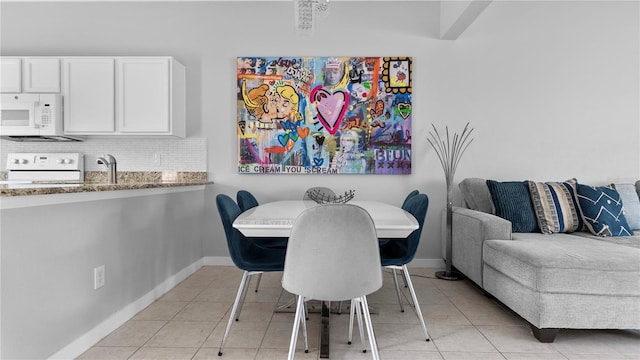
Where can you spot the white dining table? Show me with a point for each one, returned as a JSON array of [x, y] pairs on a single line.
[[275, 219]]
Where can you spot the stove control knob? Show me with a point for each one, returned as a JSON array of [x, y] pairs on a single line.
[[60, 161], [15, 161], [68, 161], [23, 161]]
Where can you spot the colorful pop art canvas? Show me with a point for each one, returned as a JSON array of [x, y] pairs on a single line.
[[324, 115]]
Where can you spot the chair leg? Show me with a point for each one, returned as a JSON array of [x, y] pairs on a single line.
[[303, 320], [356, 304], [405, 281], [340, 308], [369, 324], [244, 293], [395, 281], [236, 303], [355, 307], [258, 283], [296, 326], [351, 316], [416, 304]]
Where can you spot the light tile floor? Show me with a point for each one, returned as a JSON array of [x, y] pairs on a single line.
[[188, 323]]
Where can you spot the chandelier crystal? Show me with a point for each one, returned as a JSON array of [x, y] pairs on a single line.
[[305, 12]]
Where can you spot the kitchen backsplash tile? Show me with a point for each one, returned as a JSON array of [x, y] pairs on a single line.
[[134, 154]]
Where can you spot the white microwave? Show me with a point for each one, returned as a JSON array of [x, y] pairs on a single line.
[[32, 117]]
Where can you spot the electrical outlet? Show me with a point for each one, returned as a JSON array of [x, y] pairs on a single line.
[[156, 160], [98, 277]]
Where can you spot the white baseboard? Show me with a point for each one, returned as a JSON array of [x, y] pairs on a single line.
[[86, 341]]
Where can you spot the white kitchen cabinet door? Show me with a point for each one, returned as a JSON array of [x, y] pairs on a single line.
[[41, 75], [89, 96], [144, 95], [10, 75]]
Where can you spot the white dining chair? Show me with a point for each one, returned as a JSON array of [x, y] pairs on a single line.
[[333, 255]]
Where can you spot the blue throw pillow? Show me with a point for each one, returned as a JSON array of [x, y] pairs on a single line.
[[602, 211], [512, 202]]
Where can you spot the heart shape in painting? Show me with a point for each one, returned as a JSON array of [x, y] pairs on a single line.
[[330, 107], [303, 132], [283, 139], [404, 109]]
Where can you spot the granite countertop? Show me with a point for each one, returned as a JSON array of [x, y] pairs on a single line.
[[97, 181]]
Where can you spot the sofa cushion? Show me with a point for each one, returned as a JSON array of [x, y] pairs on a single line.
[[556, 206], [631, 241], [601, 209], [476, 195], [565, 263], [512, 202], [630, 204]]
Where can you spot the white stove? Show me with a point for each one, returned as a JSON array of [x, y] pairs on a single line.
[[45, 169]]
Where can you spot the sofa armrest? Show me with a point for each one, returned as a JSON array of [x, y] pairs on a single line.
[[469, 230]]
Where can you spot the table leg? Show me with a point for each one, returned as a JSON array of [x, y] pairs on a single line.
[[324, 331]]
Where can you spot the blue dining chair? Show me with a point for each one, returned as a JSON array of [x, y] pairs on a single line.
[[409, 196], [404, 204], [382, 242], [397, 253], [246, 255], [247, 201]]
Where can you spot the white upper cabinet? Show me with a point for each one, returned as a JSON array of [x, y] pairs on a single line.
[[150, 96], [107, 95], [124, 96], [41, 75], [30, 75], [10, 75], [89, 96]]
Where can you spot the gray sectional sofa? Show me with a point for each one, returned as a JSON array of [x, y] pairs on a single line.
[[572, 280]]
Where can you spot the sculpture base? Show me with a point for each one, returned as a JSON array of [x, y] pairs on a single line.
[[451, 275]]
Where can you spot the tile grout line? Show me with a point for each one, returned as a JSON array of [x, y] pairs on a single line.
[[174, 315], [469, 320]]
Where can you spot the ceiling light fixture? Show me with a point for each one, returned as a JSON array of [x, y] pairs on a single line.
[[305, 12]]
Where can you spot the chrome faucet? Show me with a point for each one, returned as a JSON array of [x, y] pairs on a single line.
[[110, 163]]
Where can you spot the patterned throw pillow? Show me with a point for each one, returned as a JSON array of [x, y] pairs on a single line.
[[556, 206], [602, 211], [512, 202]]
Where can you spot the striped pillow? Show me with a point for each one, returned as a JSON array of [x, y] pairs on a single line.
[[556, 206]]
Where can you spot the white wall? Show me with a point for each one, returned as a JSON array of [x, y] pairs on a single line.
[[551, 88]]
